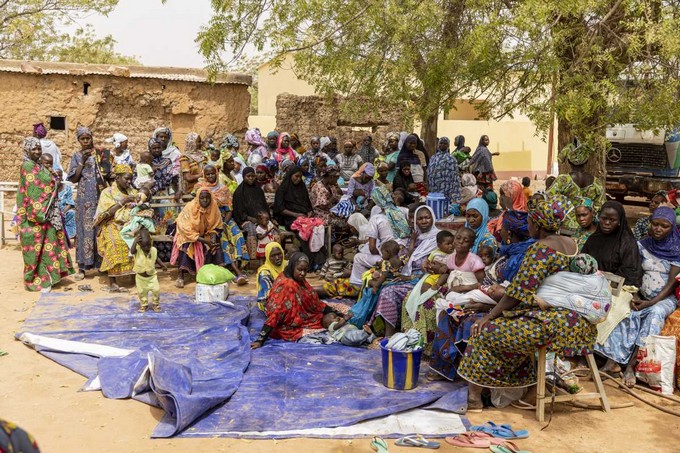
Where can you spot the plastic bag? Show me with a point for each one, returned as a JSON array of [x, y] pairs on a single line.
[[317, 239], [656, 363], [211, 274]]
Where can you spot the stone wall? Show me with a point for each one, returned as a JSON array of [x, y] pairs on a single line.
[[132, 106], [340, 117]]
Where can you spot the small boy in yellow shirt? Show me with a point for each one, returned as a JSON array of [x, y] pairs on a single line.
[[146, 278]]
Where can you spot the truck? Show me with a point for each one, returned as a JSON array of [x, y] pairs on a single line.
[[640, 163]]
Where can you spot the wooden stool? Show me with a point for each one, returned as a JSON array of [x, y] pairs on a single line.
[[541, 396]]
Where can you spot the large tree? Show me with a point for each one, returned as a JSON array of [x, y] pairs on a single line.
[[37, 30], [589, 64], [407, 51]]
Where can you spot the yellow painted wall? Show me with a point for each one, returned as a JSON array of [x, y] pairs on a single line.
[[274, 81], [265, 123]]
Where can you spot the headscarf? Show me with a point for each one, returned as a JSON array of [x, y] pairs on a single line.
[[238, 175], [273, 134], [323, 142], [248, 200], [382, 198], [171, 151], [576, 153], [39, 130], [468, 180], [254, 137], [367, 168], [122, 169], [116, 139], [516, 223], [514, 190], [482, 207], [194, 221], [296, 258], [268, 265], [284, 153], [29, 144], [586, 203], [367, 152], [230, 141], [82, 130], [285, 165], [359, 222], [459, 142], [481, 159], [405, 156], [583, 264], [616, 252], [491, 198], [549, 214], [391, 136], [428, 240], [667, 248], [220, 193], [292, 197], [191, 143]]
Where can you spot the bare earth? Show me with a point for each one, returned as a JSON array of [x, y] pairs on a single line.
[[43, 397]]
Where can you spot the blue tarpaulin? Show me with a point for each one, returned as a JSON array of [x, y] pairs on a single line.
[[194, 361]]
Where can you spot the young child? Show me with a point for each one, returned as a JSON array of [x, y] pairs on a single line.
[[265, 231], [336, 266], [526, 183], [390, 267], [348, 334], [68, 206], [444, 249], [146, 258], [470, 267], [215, 159], [487, 254], [144, 171]]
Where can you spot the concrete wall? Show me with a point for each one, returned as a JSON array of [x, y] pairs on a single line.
[[134, 107]]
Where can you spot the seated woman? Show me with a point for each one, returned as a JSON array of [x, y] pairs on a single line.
[[269, 271], [232, 241], [324, 194], [423, 242], [496, 356], [585, 217], [43, 240], [454, 331], [293, 306], [197, 240], [248, 201], [361, 183], [477, 218], [113, 212], [613, 245], [641, 229], [291, 202], [660, 254], [404, 181]]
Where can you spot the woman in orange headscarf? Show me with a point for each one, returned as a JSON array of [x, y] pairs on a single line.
[[197, 240], [512, 199]]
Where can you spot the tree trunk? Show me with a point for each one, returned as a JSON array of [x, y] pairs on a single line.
[[428, 132], [595, 165]]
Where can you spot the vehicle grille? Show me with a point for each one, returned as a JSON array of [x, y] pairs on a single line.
[[637, 156]]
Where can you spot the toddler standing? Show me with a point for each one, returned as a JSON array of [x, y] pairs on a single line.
[[265, 231], [146, 278]]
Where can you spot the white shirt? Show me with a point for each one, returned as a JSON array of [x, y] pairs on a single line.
[[49, 147]]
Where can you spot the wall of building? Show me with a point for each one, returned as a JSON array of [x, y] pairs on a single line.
[[132, 106], [273, 81]]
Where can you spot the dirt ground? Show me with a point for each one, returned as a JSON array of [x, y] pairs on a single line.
[[43, 397]]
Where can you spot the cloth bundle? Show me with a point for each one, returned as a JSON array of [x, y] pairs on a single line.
[[588, 295], [408, 341]]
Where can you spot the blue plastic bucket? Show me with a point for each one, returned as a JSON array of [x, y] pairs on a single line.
[[439, 204], [400, 369]]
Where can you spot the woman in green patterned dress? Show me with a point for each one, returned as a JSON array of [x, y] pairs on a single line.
[[500, 352], [43, 240]]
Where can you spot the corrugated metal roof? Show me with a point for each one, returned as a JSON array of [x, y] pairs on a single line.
[[142, 72]]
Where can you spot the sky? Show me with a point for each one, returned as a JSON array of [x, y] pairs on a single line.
[[157, 34]]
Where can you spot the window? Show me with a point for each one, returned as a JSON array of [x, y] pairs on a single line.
[[86, 88], [58, 123]]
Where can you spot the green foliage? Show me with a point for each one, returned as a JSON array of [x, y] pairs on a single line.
[[33, 30], [590, 63]]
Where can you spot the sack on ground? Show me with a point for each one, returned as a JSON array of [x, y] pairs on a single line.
[[212, 293], [211, 274], [656, 363]]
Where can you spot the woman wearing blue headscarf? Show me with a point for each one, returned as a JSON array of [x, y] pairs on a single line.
[[516, 240], [477, 216]]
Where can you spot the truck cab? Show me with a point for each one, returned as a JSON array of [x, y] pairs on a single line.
[[640, 163]]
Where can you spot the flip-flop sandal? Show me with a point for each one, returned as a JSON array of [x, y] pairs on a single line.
[[473, 440], [85, 288], [378, 444], [241, 281], [416, 440], [79, 276], [507, 447], [501, 431]]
